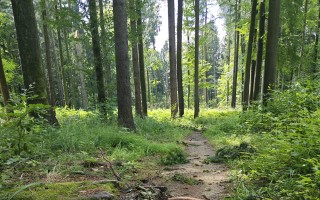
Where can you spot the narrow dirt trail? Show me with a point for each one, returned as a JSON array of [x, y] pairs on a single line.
[[212, 178]]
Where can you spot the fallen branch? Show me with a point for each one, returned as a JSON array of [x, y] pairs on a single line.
[[102, 153]]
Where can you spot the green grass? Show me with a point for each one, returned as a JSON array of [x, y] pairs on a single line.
[[280, 161], [52, 154], [63, 191]]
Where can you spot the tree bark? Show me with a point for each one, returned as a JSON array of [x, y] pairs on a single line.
[[196, 60], [246, 97], [315, 58], [172, 58], [104, 47], [236, 57], [179, 58], [52, 95], [228, 64], [79, 53], [306, 2], [125, 117], [60, 68], [135, 59], [3, 84], [148, 86], [271, 49], [141, 60], [97, 55], [30, 55], [253, 71], [257, 76]]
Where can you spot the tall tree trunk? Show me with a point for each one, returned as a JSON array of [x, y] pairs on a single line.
[[257, 76], [253, 71], [249, 55], [243, 51], [172, 55], [74, 89], [30, 55], [52, 95], [3, 84], [179, 58], [167, 86], [189, 82], [196, 60], [97, 55], [125, 117], [66, 72], [236, 57], [61, 66], [141, 60], [271, 49], [315, 58], [148, 85], [83, 90], [228, 68], [206, 56], [104, 47], [306, 2], [135, 58]]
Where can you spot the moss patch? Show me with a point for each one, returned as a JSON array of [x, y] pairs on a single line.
[[64, 191]]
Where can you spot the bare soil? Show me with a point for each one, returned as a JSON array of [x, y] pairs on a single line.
[[212, 178], [195, 180]]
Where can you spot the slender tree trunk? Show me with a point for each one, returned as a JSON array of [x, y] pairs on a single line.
[[257, 76], [179, 58], [189, 83], [30, 55], [97, 55], [236, 58], [167, 87], [66, 72], [125, 117], [52, 95], [148, 85], [135, 59], [253, 71], [189, 90], [83, 90], [306, 2], [206, 57], [172, 55], [141, 60], [228, 68], [196, 60], [61, 66], [58, 80], [3, 84], [74, 89], [271, 49], [249, 55], [315, 59], [104, 48]]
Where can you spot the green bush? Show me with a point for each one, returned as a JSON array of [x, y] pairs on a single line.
[[286, 137]]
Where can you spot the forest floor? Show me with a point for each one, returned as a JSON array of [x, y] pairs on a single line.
[[86, 160], [193, 180]]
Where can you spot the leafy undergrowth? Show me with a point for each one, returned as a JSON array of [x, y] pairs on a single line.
[[284, 157], [32, 152]]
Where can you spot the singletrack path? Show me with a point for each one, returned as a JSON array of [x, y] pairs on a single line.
[[212, 179]]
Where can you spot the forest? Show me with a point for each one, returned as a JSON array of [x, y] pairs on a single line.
[[159, 99]]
